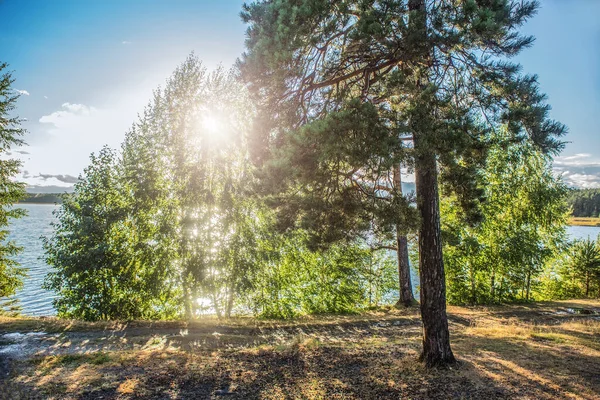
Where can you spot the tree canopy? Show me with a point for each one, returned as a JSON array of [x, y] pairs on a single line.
[[436, 72]]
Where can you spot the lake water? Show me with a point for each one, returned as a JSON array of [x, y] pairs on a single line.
[[28, 230]]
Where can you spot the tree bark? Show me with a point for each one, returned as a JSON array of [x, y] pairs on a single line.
[[436, 337], [406, 295], [407, 298]]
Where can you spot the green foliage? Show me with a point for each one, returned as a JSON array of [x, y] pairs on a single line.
[[187, 162], [585, 261], [577, 273], [11, 274], [432, 72], [170, 221], [346, 92], [584, 202], [443, 80], [503, 257], [334, 177], [345, 278], [96, 274]]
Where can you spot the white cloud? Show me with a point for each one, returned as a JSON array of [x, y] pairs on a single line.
[[581, 159], [583, 181], [125, 42], [579, 170], [66, 137], [45, 97], [577, 156], [22, 92], [69, 115]]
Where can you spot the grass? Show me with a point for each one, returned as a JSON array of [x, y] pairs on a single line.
[[580, 221], [10, 324], [527, 351]]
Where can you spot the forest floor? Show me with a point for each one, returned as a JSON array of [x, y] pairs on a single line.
[[536, 351]]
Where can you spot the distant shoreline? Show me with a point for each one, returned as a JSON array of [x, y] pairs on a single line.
[[43, 203], [57, 199], [43, 198], [584, 221]]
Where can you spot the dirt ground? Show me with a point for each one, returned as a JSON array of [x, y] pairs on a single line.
[[533, 351]]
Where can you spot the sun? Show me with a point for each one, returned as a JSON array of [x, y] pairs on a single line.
[[212, 125], [213, 129]]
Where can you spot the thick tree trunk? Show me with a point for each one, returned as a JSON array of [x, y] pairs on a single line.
[[436, 337], [406, 295]]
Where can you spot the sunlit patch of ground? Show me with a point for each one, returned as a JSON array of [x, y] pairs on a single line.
[[537, 351]]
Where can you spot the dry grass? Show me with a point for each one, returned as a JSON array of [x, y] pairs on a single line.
[[580, 221], [207, 323], [515, 352]]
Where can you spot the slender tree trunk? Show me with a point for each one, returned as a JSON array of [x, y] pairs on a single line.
[[587, 284], [186, 301], [528, 290], [436, 337], [473, 292], [194, 302], [406, 295], [493, 285], [230, 297], [371, 280], [216, 304]]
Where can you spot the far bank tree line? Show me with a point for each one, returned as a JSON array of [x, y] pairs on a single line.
[[584, 202], [276, 188]]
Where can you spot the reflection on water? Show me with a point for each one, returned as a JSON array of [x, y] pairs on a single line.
[[28, 230]]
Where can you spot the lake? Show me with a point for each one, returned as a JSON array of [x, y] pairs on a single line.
[[28, 230]]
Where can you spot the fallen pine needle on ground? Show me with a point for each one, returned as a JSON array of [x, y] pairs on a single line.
[[529, 351]]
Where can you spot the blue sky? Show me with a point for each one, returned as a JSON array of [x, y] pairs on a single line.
[[88, 67]]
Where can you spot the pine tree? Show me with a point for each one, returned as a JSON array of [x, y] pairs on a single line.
[[585, 261], [10, 191], [435, 74]]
